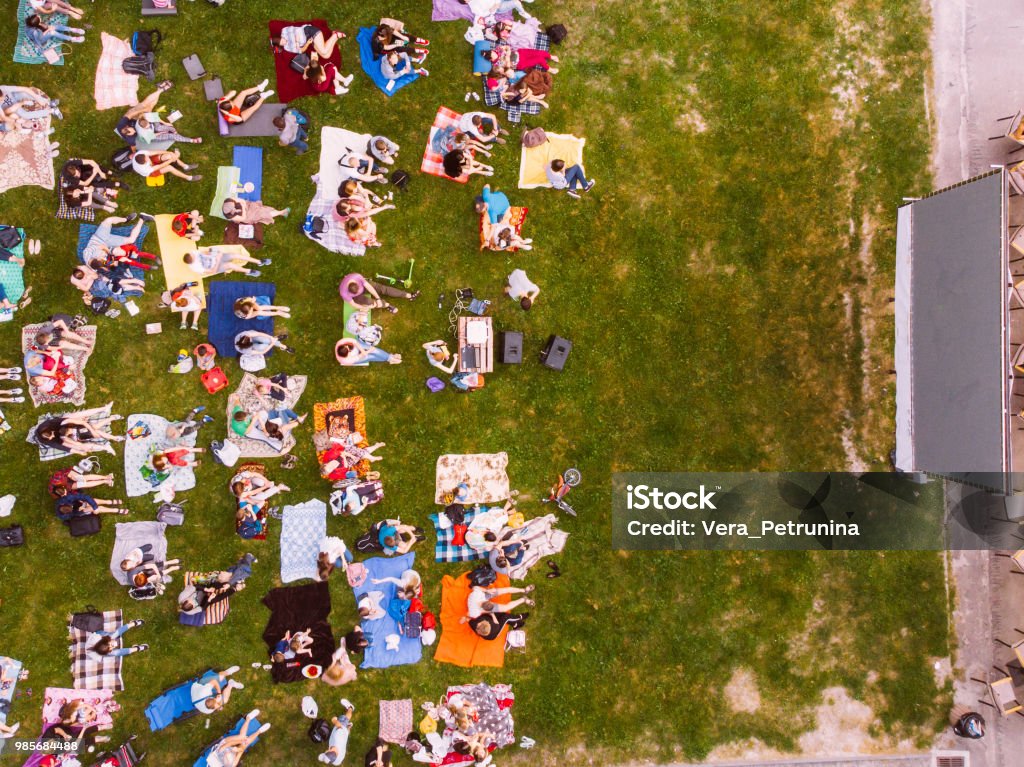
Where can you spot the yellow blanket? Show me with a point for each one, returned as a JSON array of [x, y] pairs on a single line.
[[559, 146]]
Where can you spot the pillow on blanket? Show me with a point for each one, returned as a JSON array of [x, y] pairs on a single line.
[[481, 66]]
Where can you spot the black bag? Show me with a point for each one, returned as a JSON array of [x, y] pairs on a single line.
[[400, 179], [482, 575], [121, 160], [12, 536], [90, 620], [314, 226], [141, 593], [140, 65], [9, 237], [557, 33], [89, 524], [146, 42], [251, 99], [319, 731], [100, 305], [299, 62]]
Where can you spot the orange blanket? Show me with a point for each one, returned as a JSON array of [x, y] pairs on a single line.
[[459, 644]]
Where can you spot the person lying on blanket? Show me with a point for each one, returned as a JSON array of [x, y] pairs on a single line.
[[152, 131], [300, 39], [248, 212], [41, 34], [255, 342], [127, 254], [353, 499], [337, 743], [90, 197], [50, 7], [55, 334], [228, 751], [488, 9], [349, 352], [195, 599], [450, 138], [276, 424], [166, 460], [290, 646], [213, 690], [238, 106], [360, 166], [151, 577], [74, 505], [483, 127], [254, 307], [87, 174], [153, 164], [324, 77], [186, 225], [185, 301], [504, 237], [391, 36], [355, 641], [76, 479], [496, 217], [369, 607], [214, 260], [345, 453], [69, 432], [481, 601], [389, 537], [103, 239], [78, 720], [489, 625], [105, 644], [408, 586], [253, 487], [104, 285], [516, 93], [42, 106], [521, 59], [395, 65], [460, 162], [356, 202]]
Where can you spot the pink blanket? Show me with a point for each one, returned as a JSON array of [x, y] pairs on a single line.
[[101, 700], [114, 86], [453, 10]]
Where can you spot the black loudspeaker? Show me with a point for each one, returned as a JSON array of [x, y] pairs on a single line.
[[556, 352], [511, 347]]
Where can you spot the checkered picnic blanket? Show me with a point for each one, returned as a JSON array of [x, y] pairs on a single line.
[[433, 163], [445, 550], [87, 672], [114, 86], [516, 111], [52, 453], [81, 359], [334, 238], [66, 212]]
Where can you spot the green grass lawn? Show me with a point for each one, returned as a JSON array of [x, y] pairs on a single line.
[[724, 286]]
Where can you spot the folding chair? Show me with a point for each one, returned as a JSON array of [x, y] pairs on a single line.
[[1014, 130]]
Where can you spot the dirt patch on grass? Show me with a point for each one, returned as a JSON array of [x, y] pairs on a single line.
[[741, 692]]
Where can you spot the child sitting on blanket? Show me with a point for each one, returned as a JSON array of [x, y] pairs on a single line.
[[186, 225], [183, 300], [292, 645], [181, 457], [254, 307]]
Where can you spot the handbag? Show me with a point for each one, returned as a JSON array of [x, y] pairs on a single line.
[[12, 536], [89, 620], [56, 53], [299, 62], [170, 514]]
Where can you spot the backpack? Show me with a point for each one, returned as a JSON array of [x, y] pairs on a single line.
[[556, 33], [170, 514], [314, 226], [122, 159], [89, 620], [319, 731], [146, 41], [482, 576], [85, 525], [12, 536], [140, 65], [534, 137], [400, 179]]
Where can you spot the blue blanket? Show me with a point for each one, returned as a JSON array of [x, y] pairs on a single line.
[[221, 319], [201, 761], [372, 66], [172, 705], [377, 655], [86, 231], [249, 161]]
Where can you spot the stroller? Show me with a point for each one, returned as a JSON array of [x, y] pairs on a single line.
[[122, 756]]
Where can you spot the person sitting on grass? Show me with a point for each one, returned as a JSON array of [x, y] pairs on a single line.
[[228, 751], [349, 352], [151, 164], [361, 167], [254, 307], [292, 127], [213, 690], [570, 179], [74, 480], [300, 39], [324, 77], [40, 33], [238, 106], [215, 259], [460, 162], [147, 105], [437, 354], [395, 65], [337, 743], [151, 131]]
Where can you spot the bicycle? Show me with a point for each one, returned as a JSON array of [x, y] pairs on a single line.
[[567, 480]]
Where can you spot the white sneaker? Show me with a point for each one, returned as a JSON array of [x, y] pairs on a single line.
[[263, 85], [267, 94], [347, 703], [232, 670]]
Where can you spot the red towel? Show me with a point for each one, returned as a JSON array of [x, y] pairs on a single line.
[[290, 84]]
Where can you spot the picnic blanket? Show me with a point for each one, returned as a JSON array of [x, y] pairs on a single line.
[[334, 419], [227, 183], [223, 325], [453, 10], [114, 86], [377, 655], [52, 453], [302, 528], [517, 218], [260, 122], [334, 143], [66, 212], [249, 161], [27, 52], [11, 668], [444, 549], [12, 275], [172, 250], [543, 540], [24, 157], [514, 112], [55, 698], [297, 608], [171, 705], [91, 673], [433, 162], [395, 720], [130, 535], [145, 434], [535, 160], [484, 473], [249, 471], [372, 66], [92, 239], [347, 310], [252, 402], [253, 727], [459, 644], [79, 358], [493, 704], [290, 84], [212, 614]]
